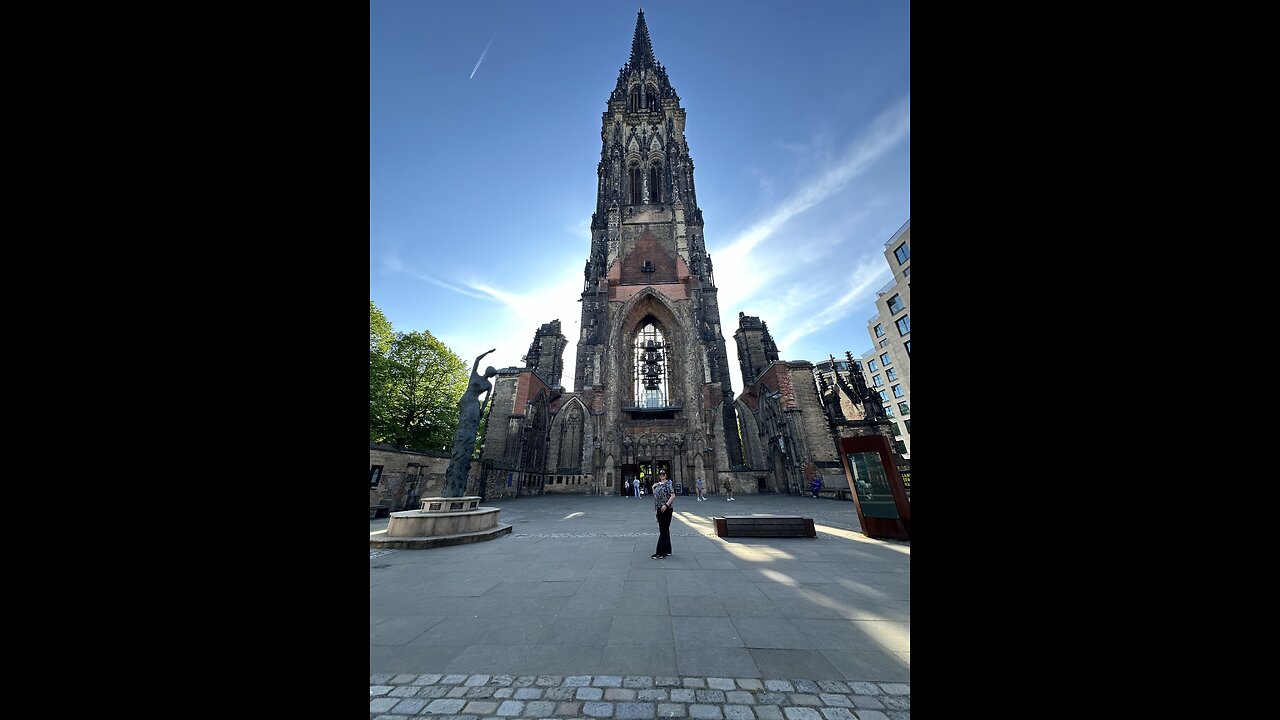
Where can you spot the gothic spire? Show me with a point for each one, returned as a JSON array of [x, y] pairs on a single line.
[[641, 48]]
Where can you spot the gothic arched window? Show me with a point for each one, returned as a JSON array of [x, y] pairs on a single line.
[[633, 102], [655, 183], [650, 367], [655, 102], [571, 438], [636, 194]]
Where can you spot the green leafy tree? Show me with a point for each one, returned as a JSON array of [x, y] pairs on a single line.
[[381, 338], [414, 385], [484, 427], [427, 379]]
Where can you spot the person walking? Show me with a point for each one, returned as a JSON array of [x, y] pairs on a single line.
[[701, 496], [664, 499], [639, 488], [728, 488], [626, 488], [815, 485]]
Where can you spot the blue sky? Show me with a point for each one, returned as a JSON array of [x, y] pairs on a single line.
[[482, 177]]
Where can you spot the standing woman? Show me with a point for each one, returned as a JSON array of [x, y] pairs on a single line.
[[663, 500]]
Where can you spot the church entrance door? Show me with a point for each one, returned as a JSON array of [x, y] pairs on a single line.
[[630, 474]]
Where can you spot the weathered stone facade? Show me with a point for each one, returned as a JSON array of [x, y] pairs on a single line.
[[792, 413], [853, 409], [404, 476], [651, 383], [756, 348], [546, 353]]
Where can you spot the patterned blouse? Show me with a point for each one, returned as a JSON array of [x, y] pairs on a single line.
[[662, 492]]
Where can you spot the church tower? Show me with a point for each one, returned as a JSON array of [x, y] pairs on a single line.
[[651, 354], [546, 353], [651, 386], [756, 348]]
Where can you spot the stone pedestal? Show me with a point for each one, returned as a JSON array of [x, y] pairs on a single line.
[[442, 521]]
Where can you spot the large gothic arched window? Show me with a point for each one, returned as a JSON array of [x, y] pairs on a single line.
[[655, 183], [651, 367], [636, 195], [571, 438]]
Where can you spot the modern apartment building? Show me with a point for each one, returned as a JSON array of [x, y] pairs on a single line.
[[887, 365]]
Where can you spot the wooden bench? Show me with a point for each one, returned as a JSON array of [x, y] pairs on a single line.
[[382, 509], [764, 526], [836, 493]]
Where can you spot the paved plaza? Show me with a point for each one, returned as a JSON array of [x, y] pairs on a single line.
[[568, 616]]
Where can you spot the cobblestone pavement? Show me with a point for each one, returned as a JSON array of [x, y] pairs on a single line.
[[477, 697]]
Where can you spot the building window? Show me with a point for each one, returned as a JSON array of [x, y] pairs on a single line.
[[907, 423], [907, 273], [903, 253], [635, 185], [904, 326], [375, 474], [651, 367], [897, 430], [633, 101], [904, 408], [907, 344], [895, 304], [891, 374], [871, 366], [655, 183], [885, 359], [877, 380], [897, 391], [884, 342], [879, 330], [888, 412], [571, 438], [884, 396]]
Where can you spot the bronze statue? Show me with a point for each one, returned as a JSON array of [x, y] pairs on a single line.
[[464, 441]]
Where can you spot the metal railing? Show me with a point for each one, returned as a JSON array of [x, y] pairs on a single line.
[[893, 283], [906, 225]]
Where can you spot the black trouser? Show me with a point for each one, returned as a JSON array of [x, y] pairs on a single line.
[[664, 532]]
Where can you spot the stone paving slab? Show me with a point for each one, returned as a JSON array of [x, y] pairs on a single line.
[[568, 617]]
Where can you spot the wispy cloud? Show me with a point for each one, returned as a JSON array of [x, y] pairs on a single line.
[[886, 131], [869, 273], [526, 311], [447, 286], [393, 263], [513, 302], [486, 52], [509, 329], [743, 274]]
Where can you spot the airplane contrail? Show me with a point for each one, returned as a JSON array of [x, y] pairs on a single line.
[[486, 52]]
